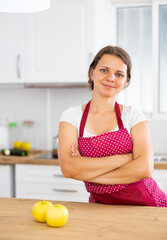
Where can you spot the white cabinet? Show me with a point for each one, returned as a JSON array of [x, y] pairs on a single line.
[[160, 177], [6, 181], [52, 46], [58, 43], [11, 58], [47, 182]]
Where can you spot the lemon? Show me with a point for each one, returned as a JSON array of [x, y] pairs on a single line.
[[17, 144], [26, 146]]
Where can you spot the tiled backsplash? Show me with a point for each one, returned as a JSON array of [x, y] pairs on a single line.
[[32, 104]]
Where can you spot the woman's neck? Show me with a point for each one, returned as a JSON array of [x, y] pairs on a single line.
[[100, 104]]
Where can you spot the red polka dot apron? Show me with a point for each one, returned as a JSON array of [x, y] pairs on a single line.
[[144, 192]]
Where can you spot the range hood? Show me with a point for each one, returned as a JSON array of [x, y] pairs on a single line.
[[56, 85], [44, 85]]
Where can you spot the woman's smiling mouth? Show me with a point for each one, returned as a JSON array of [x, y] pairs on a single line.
[[107, 86]]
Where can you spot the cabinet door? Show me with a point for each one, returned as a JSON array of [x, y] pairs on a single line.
[[6, 181], [10, 48], [59, 192], [47, 182], [58, 42]]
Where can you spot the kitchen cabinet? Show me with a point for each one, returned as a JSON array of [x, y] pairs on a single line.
[[47, 182], [11, 43], [160, 176], [58, 43], [52, 46], [6, 181]]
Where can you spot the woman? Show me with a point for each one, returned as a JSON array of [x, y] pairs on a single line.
[[108, 145]]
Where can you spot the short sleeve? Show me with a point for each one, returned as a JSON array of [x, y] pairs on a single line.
[[137, 117], [132, 116], [72, 115]]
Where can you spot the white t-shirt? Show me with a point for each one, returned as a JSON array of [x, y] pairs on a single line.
[[130, 117]]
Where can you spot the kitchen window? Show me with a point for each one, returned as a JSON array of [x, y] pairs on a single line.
[[163, 59], [140, 28]]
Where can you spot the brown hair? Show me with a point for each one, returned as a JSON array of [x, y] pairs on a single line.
[[114, 51]]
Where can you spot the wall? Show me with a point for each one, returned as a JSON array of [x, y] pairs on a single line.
[[45, 106]]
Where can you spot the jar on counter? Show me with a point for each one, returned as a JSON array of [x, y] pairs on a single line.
[[28, 132], [55, 147]]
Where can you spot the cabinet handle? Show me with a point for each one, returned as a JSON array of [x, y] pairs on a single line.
[[64, 190], [58, 175], [18, 66]]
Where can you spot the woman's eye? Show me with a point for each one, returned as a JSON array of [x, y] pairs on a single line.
[[119, 75], [104, 70]]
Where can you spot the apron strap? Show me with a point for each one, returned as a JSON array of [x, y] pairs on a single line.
[[118, 115], [85, 114], [83, 120]]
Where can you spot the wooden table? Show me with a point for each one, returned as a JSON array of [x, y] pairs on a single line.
[[86, 221]]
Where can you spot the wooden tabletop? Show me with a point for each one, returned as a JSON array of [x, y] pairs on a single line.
[[86, 221]]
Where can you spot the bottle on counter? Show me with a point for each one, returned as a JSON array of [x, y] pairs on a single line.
[[4, 133], [13, 133], [55, 147]]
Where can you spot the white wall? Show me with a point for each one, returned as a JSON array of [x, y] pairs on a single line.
[[36, 104], [19, 104]]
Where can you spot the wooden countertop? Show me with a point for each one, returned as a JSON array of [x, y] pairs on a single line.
[[86, 221], [36, 153], [31, 159]]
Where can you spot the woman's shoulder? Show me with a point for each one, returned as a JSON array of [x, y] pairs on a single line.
[[132, 115], [71, 112], [72, 115], [130, 109]]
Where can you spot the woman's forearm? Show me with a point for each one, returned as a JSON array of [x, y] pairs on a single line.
[[130, 172], [85, 168]]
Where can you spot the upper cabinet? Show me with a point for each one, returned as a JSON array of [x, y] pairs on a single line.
[[58, 43], [10, 48], [53, 46]]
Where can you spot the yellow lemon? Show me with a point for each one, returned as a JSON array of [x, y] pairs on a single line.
[[17, 144], [26, 146]]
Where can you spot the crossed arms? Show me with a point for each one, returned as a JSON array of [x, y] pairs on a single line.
[[116, 169]]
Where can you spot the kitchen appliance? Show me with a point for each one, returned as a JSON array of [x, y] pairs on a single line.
[[48, 155], [55, 147], [24, 6]]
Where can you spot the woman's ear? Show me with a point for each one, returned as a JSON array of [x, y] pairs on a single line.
[[126, 83], [91, 74]]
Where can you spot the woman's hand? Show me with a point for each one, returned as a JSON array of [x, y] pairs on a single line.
[[74, 151]]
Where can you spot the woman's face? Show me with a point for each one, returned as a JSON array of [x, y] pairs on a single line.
[[109, 76]]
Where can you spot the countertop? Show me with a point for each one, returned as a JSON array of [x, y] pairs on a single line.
[[36, 153], [86, 221], [31, 159]]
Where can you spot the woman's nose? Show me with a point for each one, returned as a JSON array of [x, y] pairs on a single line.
[[111, 77]]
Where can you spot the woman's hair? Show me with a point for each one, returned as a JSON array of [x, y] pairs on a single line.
[[114, 51]]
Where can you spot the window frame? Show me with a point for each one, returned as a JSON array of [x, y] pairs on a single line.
[[155, 4]]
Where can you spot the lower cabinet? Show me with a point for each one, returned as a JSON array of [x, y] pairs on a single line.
[[47, 183], [160, 176], [6, 180]]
